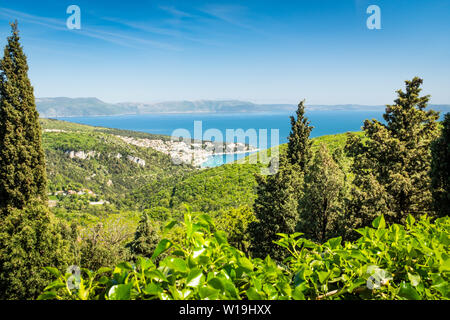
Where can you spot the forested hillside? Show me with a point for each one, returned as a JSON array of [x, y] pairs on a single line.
[[81, 156], [158, 184]]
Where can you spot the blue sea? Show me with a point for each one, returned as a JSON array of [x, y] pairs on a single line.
[[324, 122]]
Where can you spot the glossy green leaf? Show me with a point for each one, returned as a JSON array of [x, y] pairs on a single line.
[[162, 246], [120, 292], [408, 292], [195, 278]]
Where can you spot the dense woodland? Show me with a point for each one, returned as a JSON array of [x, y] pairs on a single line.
[[341, 211]]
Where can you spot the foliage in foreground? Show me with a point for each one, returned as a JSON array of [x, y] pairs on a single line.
[[395, 262], [30, 239]]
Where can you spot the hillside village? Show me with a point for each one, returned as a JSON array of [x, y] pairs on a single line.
[[194, 154]]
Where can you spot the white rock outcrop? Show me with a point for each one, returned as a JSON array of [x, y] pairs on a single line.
[[82, 154]]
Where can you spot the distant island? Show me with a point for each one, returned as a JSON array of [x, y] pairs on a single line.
[[83, 107]]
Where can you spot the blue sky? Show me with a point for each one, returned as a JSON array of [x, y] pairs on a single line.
[[262, 51]]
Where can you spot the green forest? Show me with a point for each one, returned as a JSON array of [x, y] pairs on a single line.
[[355, 216]]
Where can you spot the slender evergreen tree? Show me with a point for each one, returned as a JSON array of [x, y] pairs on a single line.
[[277, 204], [22, 162], [299, 145], [145, 239], [29, 238], [440, 170], [321, 207], [276, 210], [392, 162]]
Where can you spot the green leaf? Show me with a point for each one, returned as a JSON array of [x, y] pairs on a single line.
[[414, 279], [323, 276], [162, 246], [169, 226], [103, 280], [379, 222], [49, 295], [217, 283], [298, 294], [334, 243], [208, 293], [53, 271], [445, 266], [156, 275], [245, 264], [55, 285], [153, 289], [410, 221], [206, 219], [253, 294], [195, 278], [104, 270], [125, 266], [231, 289], [176, 264], [120, 292], [221, 237], [408, 292]]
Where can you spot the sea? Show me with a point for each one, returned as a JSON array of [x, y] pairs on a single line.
[[260, 130]]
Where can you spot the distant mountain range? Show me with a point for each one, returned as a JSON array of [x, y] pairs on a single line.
[[79, 107]]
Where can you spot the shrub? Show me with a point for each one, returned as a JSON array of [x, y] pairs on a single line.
[[393, 262]]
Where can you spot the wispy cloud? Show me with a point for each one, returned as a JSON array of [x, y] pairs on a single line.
[[176, 12], [174, 31], [52, 23], [115, 37], [232, 14]]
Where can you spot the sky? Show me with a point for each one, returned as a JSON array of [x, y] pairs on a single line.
[[279, 51]]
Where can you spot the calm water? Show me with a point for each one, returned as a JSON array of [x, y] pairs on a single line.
[[324, 122]]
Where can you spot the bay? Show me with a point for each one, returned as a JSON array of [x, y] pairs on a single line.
[[324, 122]]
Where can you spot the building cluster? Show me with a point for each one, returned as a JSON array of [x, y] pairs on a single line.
[[189, 153]]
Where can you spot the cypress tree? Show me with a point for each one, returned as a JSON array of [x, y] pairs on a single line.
[[392, 162], [277, 204], [321, 208], [276, 210], [299, 145], [145, 239], [22, 162], [29, 238], [440, 170]]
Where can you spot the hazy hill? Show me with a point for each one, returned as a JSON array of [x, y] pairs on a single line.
[[76, 107]]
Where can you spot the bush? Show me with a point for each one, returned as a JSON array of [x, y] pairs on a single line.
[[398, 262], [30, 239]]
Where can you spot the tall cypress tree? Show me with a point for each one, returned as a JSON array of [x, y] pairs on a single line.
[[276, 206], [321, 207], [392, 162], [299, 146], [22, 162], [440, 170], [29, 237], [276, 210]]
